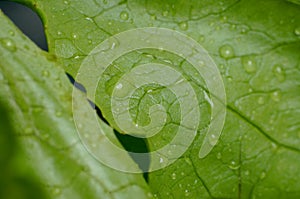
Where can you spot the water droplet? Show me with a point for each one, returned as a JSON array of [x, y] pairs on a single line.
[[262, 175], [183, 25], [249, 64], [124, 15], [233, 27], [119, 86], [113, 45], [9, 44], [161, 160], [297, 31], [11, 32], [213, 139], [261, 100], [276, 95], [150, 195], [186, 192], [182, 173], [173, 176], [136, 125], [66, 2], [274, 146], [279, 72], [165, 13], [195, 181], [75, 36], [201, 38], [233, 165], [226, 51], [153, 17], [79, 125], [247, 172], [219, 156], [59, 33], [45, 73]]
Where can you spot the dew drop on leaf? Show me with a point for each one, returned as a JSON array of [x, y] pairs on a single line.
[[213, 139], [45, 73], [247, 172], [261, 100], [161, 160], [9, 44], [11, 32], [233, 165], [186, 192], [279, 72], [226, 51], [249, 64], [173, 176], [297, 31], [119, 86], [262, 175], [276, 95], [219, 156], [165, 13], [124, 15], [183, 25], [75, 36]]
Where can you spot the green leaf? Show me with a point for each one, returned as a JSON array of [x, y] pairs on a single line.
[[38, 95], [255, 45]]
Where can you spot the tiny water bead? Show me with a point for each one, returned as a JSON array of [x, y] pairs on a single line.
[[262, 175], [249, 64], [75, 36], [119, 86], [124, 15], [213, 139], [276, 95], [297, 31], [173, 176], [233, 165], [11, 32], [219, 156], [183, 25], [9, 44], [226, 51], [261, 100], [247, 172], [45, 73], [279, 72], [186, 192]]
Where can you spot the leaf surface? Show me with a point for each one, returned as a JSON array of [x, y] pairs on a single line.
[[255, 45]]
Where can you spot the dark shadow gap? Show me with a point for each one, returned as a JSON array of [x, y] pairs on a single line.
[[27, 21], [130, 143]]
